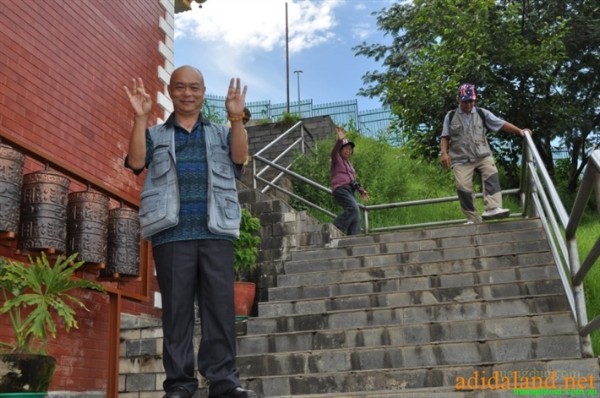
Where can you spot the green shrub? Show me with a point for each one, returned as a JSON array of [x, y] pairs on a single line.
[[246, 246]]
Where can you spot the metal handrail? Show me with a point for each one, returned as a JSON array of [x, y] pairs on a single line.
[[303, 145], [556, 222], [539, 198]]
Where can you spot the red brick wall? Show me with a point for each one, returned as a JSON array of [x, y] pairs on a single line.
[[63, 65]]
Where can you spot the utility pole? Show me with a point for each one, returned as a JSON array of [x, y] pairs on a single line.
[[297, 72], [287, 59]]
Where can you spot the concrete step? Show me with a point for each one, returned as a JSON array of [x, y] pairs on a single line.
[[388, 266], [488, 228], [442, 283], [357, 299], [439, 379], [357, 257], [491, 234], [409, 334], [414, 356], [412, 313], [444, 392]]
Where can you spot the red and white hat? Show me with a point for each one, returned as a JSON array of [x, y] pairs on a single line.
[[466, 92]]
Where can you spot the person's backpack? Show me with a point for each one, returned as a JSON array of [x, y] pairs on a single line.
[[479, 111]]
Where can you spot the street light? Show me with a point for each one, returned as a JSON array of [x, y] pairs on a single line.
[[297, 72]]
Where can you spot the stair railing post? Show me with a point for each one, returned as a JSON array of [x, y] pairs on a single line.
[[579, 298], [254, 172], [528, 179], [303, 136]]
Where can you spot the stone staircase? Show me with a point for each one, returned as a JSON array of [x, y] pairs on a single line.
[[413, 313], [410, 314]]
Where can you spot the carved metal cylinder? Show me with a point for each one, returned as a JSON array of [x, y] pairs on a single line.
[[11, 183], [43, 212], [123, 256], [87, 226]]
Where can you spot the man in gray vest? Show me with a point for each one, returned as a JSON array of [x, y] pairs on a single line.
[[189, 210], [464, 147]]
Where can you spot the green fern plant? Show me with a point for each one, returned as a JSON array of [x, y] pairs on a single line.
[[36, 294]]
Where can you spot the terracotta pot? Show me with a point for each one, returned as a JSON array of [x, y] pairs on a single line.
[[26, 373], [243, 295]]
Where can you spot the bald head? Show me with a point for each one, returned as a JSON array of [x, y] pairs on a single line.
[[186, 70]]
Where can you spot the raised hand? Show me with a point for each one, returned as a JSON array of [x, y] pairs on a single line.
[[236, 98], [139, 99]]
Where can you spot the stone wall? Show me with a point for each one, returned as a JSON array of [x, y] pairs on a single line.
[[259, 136], [283, 228]]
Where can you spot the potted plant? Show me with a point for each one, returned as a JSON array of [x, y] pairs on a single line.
[[246, 252], [34, 296]]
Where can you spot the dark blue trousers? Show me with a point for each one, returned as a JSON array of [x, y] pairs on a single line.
[[349, 221], [202, 270]]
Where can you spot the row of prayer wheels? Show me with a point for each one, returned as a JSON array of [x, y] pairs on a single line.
[[39, 211]]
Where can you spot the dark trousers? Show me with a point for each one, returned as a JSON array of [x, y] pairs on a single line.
[[349, 221], [202, 270]]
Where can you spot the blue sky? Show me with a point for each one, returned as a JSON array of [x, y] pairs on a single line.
[[246, 39]]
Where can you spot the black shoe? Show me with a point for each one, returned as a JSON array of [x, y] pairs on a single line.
[[178, 393], [237, 392]]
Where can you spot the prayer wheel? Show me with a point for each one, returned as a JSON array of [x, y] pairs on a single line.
[[43, 225], [11, 182], [123, 257], [87, 226]]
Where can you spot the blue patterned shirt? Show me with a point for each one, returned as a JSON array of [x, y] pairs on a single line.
[[190, 155]]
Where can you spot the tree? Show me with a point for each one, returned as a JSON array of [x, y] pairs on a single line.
[[527, 58], [583, 47]]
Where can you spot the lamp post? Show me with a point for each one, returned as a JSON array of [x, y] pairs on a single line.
[[287, 59], [297, 72]]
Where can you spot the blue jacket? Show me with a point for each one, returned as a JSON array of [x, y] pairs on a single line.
[[159, 204]]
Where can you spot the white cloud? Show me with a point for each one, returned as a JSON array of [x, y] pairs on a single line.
[[249, 25], [362, 31], [246, 39]]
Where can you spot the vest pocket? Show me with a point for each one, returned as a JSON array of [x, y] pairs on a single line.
[[222, 176], [482, 148], [161, 162], [229, 213], [159, 210]]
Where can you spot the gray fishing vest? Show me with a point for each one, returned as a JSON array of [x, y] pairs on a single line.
[[470, 143], [159, 204]]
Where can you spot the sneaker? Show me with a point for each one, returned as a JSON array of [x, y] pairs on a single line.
[[470, 222], [495, 214]]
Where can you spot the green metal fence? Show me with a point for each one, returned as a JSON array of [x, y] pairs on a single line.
[[371, 123]]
